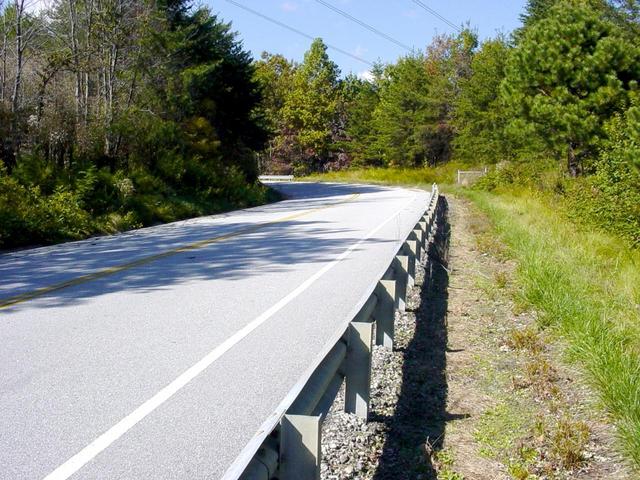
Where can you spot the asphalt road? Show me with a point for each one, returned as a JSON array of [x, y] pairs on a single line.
[[160, 353]]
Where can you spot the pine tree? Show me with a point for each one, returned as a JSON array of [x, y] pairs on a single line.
[[479, 115], [570, 72]]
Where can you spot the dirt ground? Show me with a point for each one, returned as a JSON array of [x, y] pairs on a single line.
[[514, 408]]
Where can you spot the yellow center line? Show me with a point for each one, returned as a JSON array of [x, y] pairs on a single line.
[[23, 297]]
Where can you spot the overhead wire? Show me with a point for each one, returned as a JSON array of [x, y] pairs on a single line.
[[299, 32], [437, 15], [364, 24]]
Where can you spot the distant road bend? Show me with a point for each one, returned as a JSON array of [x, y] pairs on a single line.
[[161, 352]]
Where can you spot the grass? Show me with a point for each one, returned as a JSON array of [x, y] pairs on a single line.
[[586, 285], [444, 462], [416, 177]]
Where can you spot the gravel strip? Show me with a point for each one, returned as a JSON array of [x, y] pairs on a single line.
[[353, 448]]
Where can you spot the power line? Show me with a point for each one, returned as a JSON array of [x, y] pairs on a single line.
[[437, 15], [364, 24], [299, 32]]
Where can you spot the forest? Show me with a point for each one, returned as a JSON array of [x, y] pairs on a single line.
[[116, 114]]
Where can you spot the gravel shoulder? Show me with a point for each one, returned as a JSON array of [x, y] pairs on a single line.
[[473, 389]]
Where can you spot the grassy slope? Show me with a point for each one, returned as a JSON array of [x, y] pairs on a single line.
[[418, 177], [585, 285]]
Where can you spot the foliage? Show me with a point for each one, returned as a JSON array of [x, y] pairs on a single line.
[[610, 198], [479, 115], [129, 113], [571, 69], [402, 108], [412, 121], [359, 101], [311, 108]]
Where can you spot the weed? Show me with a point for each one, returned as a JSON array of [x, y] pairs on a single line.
[[568, 440], [525, 339], [501, 427], [443, 461], [541, 374], [500, 279]]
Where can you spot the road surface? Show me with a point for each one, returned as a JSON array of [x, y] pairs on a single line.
[[159, 353]]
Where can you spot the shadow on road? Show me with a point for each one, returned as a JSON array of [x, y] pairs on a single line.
[[417, 428], [272, 248]]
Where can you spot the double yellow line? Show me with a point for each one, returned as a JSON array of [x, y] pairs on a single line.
[[23, 297]]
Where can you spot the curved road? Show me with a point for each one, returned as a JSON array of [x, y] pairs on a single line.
[[159, 353]]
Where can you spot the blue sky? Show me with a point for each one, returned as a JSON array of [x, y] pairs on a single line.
[[401, 19]]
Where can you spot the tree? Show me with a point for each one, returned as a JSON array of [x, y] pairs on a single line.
[[479, 116], [417, 95], [570, 72], [536, 10], [275, 74], [448, 65], [359, 99], [311, 108], [400, 112]]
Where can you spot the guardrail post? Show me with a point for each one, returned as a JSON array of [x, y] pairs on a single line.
[[300, 447], [401, 276], [422, 225], [418, 236], [385, 312], [358, 369], [411, 248]]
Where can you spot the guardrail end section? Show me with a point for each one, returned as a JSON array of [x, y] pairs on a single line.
[[358, 369], [385, 312], [300, 437]]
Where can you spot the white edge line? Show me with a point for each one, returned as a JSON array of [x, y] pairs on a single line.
[[246, 455], [88, 453]]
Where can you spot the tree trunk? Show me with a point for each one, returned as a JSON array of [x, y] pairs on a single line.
[[73, 29], [572, 161], [17, 84], [3, 80]]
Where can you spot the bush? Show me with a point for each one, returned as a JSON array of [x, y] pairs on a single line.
[[608, 200]]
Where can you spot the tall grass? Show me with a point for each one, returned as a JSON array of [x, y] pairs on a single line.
[[417, 177], [586, 285]]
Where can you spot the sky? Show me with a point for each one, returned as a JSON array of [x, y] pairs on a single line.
[[403, 20]]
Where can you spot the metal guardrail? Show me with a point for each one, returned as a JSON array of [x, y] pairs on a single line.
[[276, 178], [292, 450], [466, 177]]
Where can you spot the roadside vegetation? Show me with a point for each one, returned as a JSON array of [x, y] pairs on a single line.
[[119, 114], [587, 290], [529, 412]]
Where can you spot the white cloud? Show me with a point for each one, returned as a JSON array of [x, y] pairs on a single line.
[[360, 51], [289, 6], [366, 75], [34, 7]]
